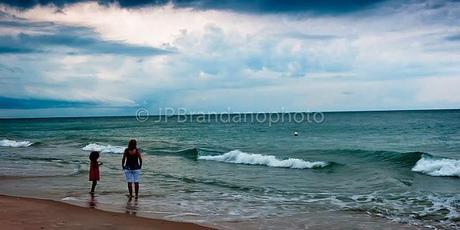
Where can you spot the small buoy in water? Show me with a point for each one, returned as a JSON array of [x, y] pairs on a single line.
[[296, 134]]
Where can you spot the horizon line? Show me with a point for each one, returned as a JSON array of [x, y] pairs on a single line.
[[236, 113]]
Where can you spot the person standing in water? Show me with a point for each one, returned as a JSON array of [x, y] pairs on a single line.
[[132, 164], [94, 170]]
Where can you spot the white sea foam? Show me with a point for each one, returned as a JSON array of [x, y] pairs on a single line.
[[239, 157], [438, 166], [104, 148], [12, 143]]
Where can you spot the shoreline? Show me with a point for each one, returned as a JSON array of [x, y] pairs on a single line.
[[35, 213], [45, 211]]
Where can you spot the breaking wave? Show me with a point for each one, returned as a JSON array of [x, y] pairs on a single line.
[[104, 148], [239, 157], [12, 143], [437, 166]]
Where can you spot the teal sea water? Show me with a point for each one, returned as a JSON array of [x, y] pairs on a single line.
[[402, 166]]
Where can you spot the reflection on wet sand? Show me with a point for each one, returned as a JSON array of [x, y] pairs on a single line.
[[131, 206], [92, 203]]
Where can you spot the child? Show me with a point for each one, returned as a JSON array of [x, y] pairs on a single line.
[[94, 170]]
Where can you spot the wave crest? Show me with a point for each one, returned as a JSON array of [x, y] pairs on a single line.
[[104, 148], [13, 143], [239, 157], [438, 166]]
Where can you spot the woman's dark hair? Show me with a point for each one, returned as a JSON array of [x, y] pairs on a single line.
[[94, 155], [132, 144]]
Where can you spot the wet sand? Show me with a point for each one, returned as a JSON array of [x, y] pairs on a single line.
[[30, 213], [47, 210]]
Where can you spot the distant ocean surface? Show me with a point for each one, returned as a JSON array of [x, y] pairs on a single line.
[[402, 165]]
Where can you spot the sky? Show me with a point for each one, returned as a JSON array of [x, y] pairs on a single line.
[[110, 58]]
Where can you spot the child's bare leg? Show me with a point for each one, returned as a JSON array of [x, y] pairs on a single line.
[[93, 186], [130, 189], [136, 188]]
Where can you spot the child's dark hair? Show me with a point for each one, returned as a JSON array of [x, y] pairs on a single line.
[[94, 155]]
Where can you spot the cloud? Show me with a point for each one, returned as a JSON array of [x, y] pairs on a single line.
[[60, 38], [258, 6], [382, 57], [78, 40], [6, 48], [453, 37], [271, 6], [14, 103], [11, 69]]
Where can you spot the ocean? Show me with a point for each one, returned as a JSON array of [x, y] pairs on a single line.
[[396, 166]]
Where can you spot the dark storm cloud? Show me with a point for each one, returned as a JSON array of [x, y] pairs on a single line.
[[6, 49], [5, 22], [9, 69], [15, 103], [256, 6], [23, 4], [455, 37], [303, 36], [80, 40]]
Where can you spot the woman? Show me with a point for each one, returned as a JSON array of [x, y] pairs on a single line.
[[132, 164]]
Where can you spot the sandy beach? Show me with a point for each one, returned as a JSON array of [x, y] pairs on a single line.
[[29, 213]]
